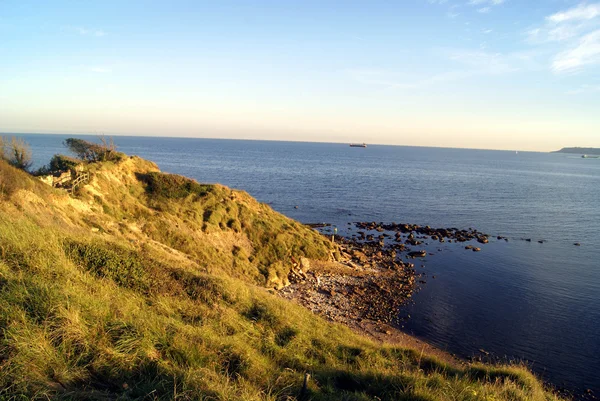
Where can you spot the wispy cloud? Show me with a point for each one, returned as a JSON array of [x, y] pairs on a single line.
[[481, 6], [580, 13], [83, 31], [490, 2], [585, 53], [482, 62], [575, 35], [485, 6], [463, 64]]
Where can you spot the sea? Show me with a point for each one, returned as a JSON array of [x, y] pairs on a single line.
[[533, 299]]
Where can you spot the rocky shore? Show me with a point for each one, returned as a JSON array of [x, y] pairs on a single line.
[[372, 276]]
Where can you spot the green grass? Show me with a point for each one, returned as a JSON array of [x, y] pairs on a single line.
[[172, 309]]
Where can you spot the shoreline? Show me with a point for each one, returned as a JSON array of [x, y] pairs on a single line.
[[367, 283], [315, 294]]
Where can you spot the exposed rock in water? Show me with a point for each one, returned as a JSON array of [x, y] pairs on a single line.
[[417, 254]]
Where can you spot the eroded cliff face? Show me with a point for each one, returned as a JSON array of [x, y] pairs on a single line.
[[217, 228]]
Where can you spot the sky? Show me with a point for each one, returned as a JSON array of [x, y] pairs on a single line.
[[493, 74]]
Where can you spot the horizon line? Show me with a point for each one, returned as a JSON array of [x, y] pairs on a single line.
[[277, 140]]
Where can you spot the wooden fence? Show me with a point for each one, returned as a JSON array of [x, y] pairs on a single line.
[[79, 179]]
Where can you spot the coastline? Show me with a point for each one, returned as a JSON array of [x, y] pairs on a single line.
[[364, 286], [316, 296]]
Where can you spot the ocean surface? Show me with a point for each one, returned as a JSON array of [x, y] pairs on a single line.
[[526, 301]]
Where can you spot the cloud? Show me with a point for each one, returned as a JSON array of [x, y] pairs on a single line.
[[580, 13], [467, 64], [485, 6], [83, 31], [490, 2], [566, 25], [572, 36], [585, 53], [481, 62]]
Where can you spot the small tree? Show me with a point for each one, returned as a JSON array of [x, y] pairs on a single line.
[[108, 147], [92, 152], [84, 150], [18, 154]]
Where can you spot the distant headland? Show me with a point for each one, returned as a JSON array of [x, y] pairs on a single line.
[[581, 151]]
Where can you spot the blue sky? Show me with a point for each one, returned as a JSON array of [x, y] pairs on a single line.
[[502, 74]]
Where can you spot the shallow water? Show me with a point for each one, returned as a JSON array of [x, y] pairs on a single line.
[[523, 300]]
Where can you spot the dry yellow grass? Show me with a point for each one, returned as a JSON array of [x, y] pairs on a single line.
[[158, 295]]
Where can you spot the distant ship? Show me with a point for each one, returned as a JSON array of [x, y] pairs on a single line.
[[358, 145]]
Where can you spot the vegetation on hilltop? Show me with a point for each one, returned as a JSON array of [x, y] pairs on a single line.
[[584, 151], [16, 152], [144, 286]]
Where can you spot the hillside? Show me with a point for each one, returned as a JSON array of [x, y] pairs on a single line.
[[580, 151], [145, 285]]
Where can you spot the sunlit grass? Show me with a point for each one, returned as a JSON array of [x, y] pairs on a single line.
[[160, 311]]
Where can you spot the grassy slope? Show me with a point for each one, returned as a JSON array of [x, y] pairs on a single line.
[[144, 287]]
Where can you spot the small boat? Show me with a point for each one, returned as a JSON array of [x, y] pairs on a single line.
[[358, 145]]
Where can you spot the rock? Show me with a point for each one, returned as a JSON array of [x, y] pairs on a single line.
[[482, 240], [417, 254], [577, 244], [361, 257], [476, 249], [304, 264], [469, 247]]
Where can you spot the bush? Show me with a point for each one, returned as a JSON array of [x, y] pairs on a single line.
[[110, 261], [17, 152], [58, 163], [171, 186], [94, 152]]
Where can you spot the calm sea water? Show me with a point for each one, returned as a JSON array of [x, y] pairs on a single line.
[[524, 300]]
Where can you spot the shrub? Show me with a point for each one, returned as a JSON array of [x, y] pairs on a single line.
[[94, 152], [110, 261], [17, 152], [58, 164], [171, 186]]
